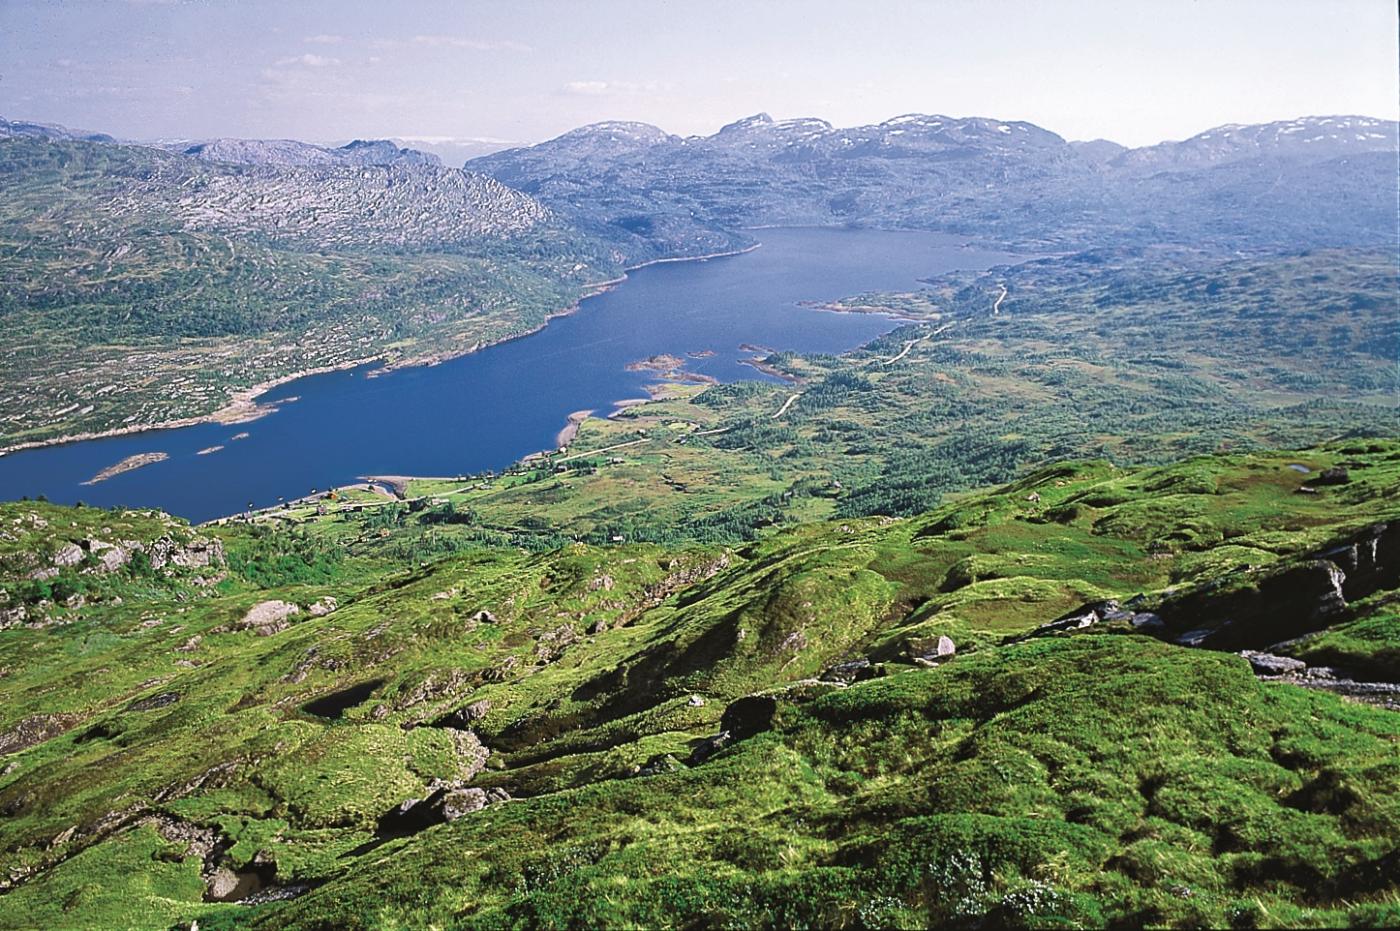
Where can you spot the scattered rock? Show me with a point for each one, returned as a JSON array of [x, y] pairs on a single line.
[[748, 716], [1267, 664], [110, 558], [1147, 622], [1333, 476], [268, 617], [709, 747], [552, 644], [153, 702], [696, 701], [1194, 638], [502, 670], [856, 670], [459, 802], [928, 652], [658, 765], [35, 729], [322, 607], [442, 804], [463, 717], [222, 885], [471, 755]]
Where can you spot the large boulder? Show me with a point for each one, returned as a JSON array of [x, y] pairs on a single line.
[[748, 716], [458, 802], [1267, 664], [443, 803], [70, 554], [1257, 610], [463, 717], [268, 617]]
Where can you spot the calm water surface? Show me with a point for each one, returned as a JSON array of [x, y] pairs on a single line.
[[486, 410]]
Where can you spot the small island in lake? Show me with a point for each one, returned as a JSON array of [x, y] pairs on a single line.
[[129, 464], [672, 367]]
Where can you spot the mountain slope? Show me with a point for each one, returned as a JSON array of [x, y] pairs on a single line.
[[1310, 138], [770, 734], [180, 281]]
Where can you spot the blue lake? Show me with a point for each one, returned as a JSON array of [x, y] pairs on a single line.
[[486, 410]]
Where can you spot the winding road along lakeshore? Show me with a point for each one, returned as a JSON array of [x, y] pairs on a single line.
[[786, 404]]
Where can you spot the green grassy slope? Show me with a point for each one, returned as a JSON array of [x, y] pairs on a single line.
[[1101, 778]]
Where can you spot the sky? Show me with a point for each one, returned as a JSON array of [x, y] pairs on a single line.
[[520, 71]]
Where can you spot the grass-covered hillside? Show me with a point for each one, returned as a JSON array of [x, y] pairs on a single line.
[[859, 722]]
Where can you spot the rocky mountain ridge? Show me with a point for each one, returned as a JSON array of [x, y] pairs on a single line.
[[283, 152], [290, 152]]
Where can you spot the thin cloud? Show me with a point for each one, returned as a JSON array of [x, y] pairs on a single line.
[[309, 61], [610, 88], [324, 39], [457, 42]]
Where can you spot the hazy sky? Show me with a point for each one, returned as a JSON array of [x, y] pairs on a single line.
[[1131, 70]]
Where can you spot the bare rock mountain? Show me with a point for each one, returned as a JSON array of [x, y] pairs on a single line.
[[1310, 139], [291, 153]]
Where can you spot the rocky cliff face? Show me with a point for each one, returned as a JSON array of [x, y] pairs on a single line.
[[1270, 607]]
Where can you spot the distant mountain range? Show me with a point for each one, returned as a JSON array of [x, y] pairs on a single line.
[[1320, 180], [289, 152]]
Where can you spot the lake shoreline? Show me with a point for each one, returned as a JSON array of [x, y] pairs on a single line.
[[243, 407]]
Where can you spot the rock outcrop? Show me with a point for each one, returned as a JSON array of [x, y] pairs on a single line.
[[268, 617]]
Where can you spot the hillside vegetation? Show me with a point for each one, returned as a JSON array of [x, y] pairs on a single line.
[[892, 749]]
